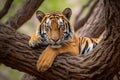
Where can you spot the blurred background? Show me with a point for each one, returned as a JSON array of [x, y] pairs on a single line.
[[30, 26]]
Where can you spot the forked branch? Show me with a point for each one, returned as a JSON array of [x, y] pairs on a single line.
[[5, 9]]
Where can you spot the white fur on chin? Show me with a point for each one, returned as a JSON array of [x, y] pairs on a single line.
[[55, 46]]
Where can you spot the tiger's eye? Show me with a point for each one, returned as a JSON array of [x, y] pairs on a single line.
[[46, 29], [61, 26], [64, 33]]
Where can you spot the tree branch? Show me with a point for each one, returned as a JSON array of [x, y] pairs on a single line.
[[81, 22], [24, 13], [95, 25], [5, 9]]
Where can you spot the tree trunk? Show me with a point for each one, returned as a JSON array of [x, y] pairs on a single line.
[[95, 25], [101, 64]]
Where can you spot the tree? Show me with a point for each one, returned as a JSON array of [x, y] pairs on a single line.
[[101, 64]]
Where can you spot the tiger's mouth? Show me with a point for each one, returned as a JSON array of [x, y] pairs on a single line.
[[55, 45]]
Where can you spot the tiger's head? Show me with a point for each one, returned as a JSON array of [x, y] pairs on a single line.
[[54, 27]]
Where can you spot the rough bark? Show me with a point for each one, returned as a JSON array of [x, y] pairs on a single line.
[[95, 25], [24, 13], [101, 64]]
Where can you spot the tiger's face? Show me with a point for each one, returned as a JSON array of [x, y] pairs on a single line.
[[55, 27]]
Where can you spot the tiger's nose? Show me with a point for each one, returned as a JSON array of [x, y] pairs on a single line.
[[55, 39]]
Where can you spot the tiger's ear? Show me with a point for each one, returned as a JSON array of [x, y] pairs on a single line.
[[40, 15], [67, 13]]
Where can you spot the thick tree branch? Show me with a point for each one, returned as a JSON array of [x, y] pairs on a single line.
[[24, 13], [5, 9], [81, 22]]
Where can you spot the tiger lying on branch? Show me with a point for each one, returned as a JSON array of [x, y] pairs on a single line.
[[55, 31]]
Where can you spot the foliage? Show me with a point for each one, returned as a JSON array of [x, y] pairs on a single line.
[[49, 5]]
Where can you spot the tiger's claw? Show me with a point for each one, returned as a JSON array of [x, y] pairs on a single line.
[[34, 41]]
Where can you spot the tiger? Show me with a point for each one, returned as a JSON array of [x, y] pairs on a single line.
[[55, 31]]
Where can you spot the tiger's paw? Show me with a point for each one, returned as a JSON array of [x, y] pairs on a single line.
[[44, 62], [34, 41]]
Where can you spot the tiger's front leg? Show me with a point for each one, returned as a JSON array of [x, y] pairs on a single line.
[[46, 59]]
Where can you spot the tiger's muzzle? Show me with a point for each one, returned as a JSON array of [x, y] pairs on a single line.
[[55, 43]]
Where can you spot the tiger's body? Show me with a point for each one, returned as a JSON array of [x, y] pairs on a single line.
[[55, 30]]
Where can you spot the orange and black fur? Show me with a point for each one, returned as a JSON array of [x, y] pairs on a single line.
[[55, 31]]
